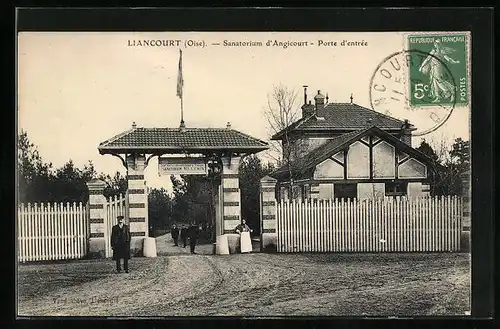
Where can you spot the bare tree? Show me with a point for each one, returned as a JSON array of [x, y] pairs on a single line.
[[448, 179], [281, 112]]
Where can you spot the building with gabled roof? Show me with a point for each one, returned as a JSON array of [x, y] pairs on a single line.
[[344, 150]]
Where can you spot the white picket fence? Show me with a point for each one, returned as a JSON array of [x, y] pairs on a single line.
[[383, 225], [52, 231], [114, 207]]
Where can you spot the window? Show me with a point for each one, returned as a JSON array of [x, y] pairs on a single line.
[[326, 191], [346, 191], [396, 189]]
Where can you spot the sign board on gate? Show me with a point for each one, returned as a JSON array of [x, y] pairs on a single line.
[[182, 166]]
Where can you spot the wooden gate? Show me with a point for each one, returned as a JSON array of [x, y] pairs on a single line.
[[383, 225], [115, 206], [52, 231]]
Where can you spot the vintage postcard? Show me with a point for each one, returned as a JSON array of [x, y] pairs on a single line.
[[244, 174]]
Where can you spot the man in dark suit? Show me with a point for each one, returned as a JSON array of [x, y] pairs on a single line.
[[184, 234], [120, 242], [193, 233], [175, 234]]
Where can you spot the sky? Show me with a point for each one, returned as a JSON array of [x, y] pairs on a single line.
[[76, 90]]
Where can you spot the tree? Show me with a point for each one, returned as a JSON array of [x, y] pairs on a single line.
[[460, 154], [427, 149], [250, 173], [70, 183], [115, 185], [89, 172], [181, 200], [458, 163], [193, 196], [34, 176], [159, 209], [200, 191], [281, 112], [40, 182], [194, 200], [451, 163]]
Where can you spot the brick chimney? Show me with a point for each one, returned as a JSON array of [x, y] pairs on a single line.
[[307, 109], [406, 133], [319, 100]]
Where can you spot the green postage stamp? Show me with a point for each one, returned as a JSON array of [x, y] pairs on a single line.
[[441, 76]]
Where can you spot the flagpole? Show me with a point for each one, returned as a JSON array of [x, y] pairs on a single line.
[[182, 112], [180, 87]]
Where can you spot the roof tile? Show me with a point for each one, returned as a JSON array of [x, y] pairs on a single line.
[[345, 116], [172, 138]]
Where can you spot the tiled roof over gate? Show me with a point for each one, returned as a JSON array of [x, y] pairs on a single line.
[[159, 139]]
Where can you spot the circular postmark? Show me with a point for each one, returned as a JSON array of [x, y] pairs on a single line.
[[416, 86]]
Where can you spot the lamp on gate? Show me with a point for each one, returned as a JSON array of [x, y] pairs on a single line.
[[214, 167]]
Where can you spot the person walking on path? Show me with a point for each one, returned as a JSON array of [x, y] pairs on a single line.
[[244, 231], [175, 234], [120, 243], [193, 233], [184, 234]]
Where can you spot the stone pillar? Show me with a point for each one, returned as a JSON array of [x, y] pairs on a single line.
[[137, 200], [268, 235], [97, 242], [426, 189], [307, 191], [231, 201], [314, 191], [465, 193], [466, 207]]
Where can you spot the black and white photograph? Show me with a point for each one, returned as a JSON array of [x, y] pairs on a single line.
[[247, 174]]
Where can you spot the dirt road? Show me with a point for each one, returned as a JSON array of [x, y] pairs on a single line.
[[250, 285]]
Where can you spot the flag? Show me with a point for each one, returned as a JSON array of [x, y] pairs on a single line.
[[180, 79]]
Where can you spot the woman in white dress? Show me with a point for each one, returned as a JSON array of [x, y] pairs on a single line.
[[244, 231]]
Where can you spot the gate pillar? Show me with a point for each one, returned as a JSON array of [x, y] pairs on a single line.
[[97, 243], [231, 202], [137, 201], [268, 235], [315, 191]]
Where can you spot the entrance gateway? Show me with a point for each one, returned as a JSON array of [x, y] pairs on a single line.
[[189, 151]]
